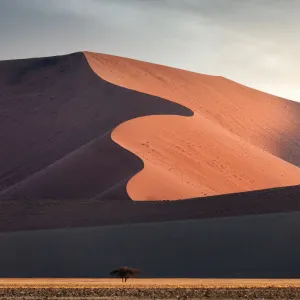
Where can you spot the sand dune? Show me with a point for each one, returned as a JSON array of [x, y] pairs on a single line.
[[65, 131], [84, 134], [239, 139]]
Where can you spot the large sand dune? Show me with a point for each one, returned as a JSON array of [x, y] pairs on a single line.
[[238, 139], [83, 135], [67, 123]]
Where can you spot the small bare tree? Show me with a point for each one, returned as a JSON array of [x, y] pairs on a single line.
[[125, 273]]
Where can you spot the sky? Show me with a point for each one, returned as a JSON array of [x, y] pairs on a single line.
[[254, 42]]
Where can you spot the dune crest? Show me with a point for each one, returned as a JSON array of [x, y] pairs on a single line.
[[239, 139]]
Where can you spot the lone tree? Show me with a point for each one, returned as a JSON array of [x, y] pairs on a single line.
[[125, 273]]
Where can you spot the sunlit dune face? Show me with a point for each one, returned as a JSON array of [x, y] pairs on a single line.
[[239, 139], [192, 157]]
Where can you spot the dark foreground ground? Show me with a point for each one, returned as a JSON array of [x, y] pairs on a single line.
[[149, 289], [265, 246]]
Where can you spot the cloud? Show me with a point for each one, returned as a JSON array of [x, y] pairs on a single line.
[[251, 41]]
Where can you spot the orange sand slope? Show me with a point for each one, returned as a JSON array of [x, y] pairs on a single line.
[[238, 139]]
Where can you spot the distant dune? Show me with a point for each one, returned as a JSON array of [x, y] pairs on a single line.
[[105, 129]]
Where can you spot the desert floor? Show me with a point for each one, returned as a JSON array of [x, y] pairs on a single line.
[[147, 282], [150, 289]]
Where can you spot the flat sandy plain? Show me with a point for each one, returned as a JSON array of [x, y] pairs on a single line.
[[150, 289]]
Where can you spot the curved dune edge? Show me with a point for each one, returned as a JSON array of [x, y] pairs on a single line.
[[178, 165], [70, 155], [226, 160]]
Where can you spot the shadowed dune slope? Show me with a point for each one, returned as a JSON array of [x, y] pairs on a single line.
[[245, 247], [238, 139], [48, 214], [56, 119]]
